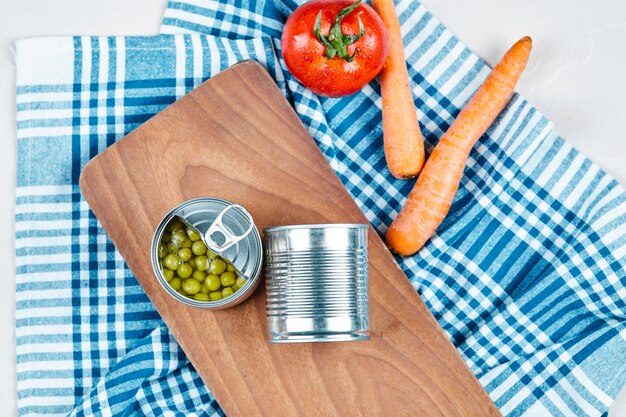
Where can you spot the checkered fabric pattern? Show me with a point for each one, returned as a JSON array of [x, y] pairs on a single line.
[[88, 339], [527, 275]]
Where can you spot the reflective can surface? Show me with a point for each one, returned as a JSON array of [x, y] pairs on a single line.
[[317, 283], [246, 255]]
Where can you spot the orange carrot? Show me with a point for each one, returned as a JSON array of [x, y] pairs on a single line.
[[404, 146], [431, 198]]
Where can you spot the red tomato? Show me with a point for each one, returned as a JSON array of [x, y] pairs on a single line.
[[338, 62]]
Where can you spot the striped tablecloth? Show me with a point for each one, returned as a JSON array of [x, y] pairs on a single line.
[[526, 276]]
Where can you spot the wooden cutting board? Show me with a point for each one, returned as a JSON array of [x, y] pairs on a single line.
[[236, 137]]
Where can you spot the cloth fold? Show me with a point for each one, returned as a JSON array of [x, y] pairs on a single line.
[[526, 276]]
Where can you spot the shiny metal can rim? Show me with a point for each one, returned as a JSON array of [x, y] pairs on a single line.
[[316, 226], [321, 337]]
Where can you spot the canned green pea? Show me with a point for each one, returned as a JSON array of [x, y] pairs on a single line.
[[210, 252]]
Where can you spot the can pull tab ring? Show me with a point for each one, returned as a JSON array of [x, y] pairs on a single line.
[[218, 238]]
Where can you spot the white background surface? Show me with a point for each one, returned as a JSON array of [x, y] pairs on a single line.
[[577, 77]]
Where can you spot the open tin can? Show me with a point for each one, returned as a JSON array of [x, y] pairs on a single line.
[[228, 230], [317, 283]]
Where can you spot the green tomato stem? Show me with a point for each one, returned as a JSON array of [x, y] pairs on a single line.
[[336, 42]]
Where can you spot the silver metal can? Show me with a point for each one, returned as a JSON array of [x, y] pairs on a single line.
[[246, 254], [317, 283]]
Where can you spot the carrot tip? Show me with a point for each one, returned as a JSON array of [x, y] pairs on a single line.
[[404, 176]]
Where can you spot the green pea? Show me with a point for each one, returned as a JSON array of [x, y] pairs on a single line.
[[174, 225], [228, 279], [192, 234], [217, 266], [201, 297], [184, 254], [241, 281], [210, 254], [172, 262], [168, 274], [213, 282], [191, 286], [198, 275], [201, 263], [167, 236], [204, 289], [226, 292], [178, 237], [187, 243], [230, 268], [175, 283], [184, 271], [216, 295], [162, 251], [198, 248], [173, 247]]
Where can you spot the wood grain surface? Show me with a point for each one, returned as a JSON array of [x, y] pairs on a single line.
[[236, 137]]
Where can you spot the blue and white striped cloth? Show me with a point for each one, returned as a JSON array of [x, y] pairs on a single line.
[[527, 275]]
